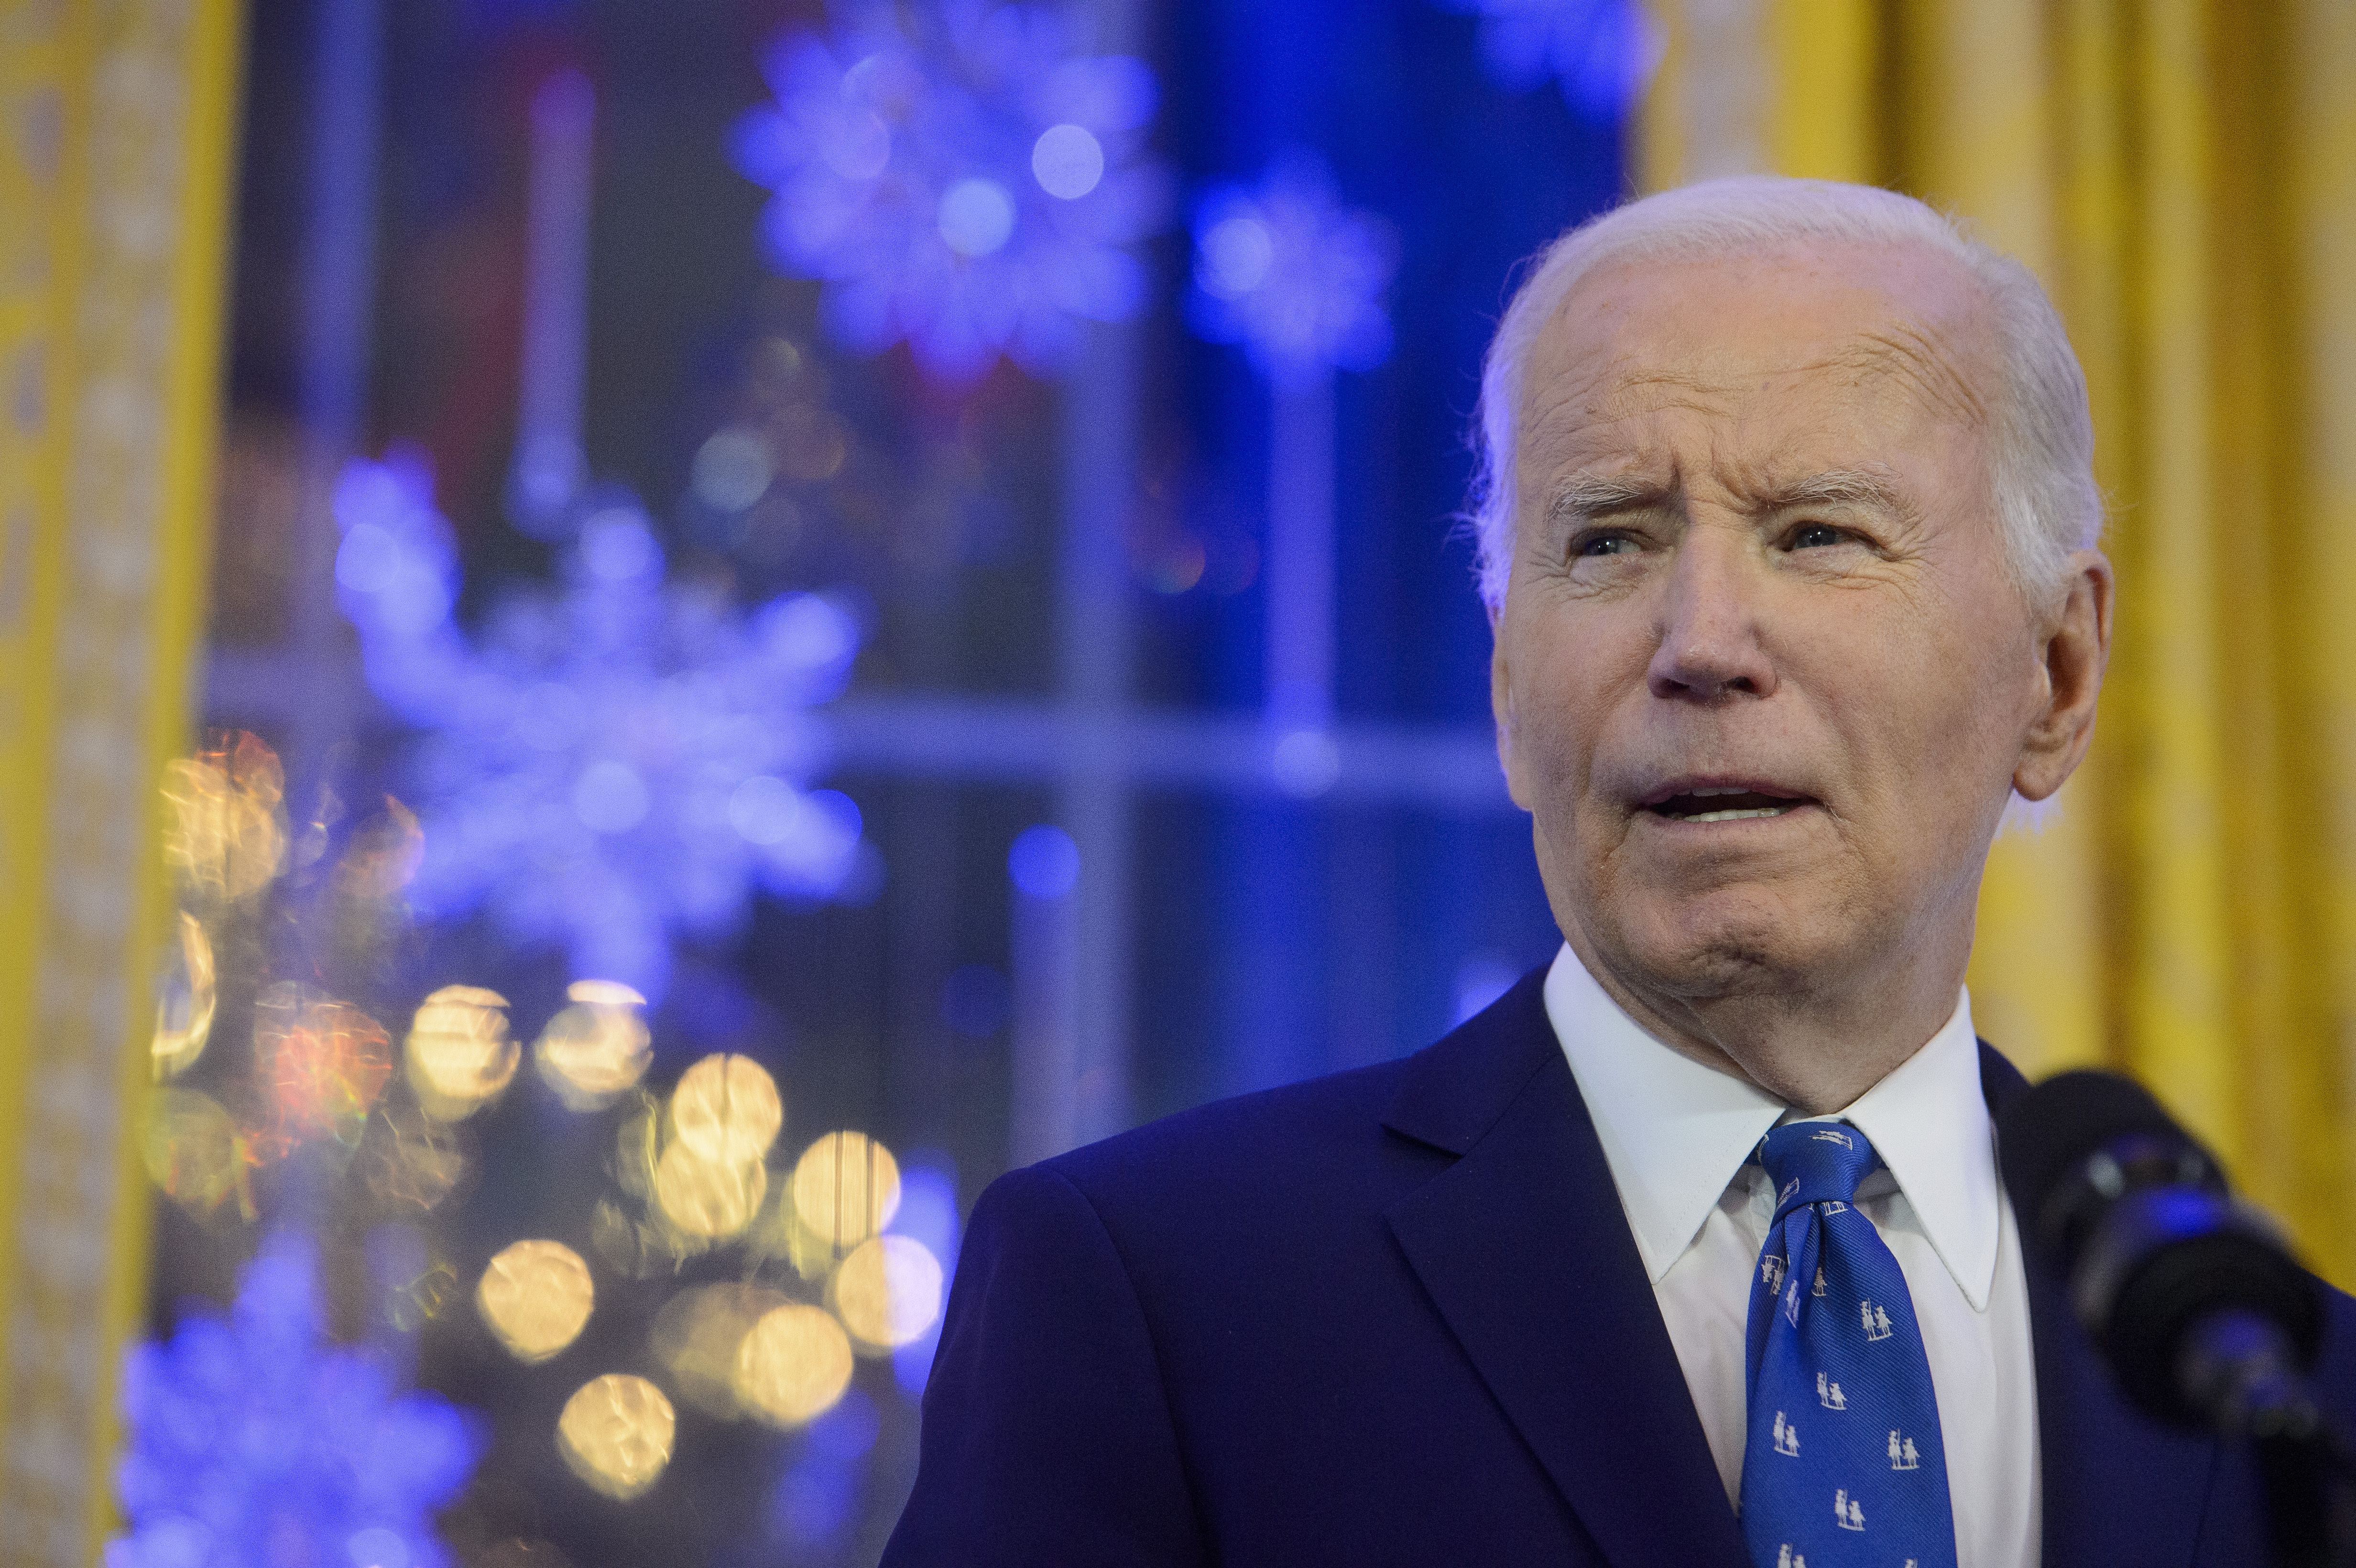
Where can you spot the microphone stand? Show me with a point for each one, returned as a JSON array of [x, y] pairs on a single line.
[[2240, 1367], [2206, 1319]]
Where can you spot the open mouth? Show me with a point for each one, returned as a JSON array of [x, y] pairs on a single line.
[[1726, 804]]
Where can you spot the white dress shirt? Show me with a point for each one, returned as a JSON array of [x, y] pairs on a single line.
[[1681, 1139]]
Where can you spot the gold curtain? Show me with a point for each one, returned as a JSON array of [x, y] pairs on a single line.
[[2182, 175], [115, 119]]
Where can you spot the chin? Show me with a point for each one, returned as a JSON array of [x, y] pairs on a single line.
[[1716, 944]]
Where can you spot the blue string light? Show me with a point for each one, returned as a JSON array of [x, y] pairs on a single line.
[[254, 1440], [1286, 271], [1043, 861], [1601, 52], [607, 765], [961, 179], [928, 1212]]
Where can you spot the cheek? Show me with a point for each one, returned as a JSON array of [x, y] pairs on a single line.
[[1576, 707], [1567, 669], [1930, 721]]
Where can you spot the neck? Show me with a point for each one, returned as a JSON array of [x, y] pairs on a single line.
[[1816, 1044]]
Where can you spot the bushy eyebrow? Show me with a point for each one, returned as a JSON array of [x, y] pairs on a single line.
[[1587, 497], [1830, 487], [1590, 495]]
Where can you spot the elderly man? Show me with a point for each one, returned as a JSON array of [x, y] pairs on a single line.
[[1787, 536]]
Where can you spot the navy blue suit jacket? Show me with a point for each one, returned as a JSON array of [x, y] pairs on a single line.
[[1397, 1316]]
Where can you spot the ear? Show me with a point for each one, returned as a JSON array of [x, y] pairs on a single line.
[[1501, 705], [2075, 647]]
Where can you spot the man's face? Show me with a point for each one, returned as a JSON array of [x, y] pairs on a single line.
[[1761, 677]]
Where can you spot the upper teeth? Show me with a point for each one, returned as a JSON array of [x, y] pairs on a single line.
[[1737, 814]]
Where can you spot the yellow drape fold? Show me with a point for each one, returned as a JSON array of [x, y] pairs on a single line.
[[2182, 175], [115, 174]]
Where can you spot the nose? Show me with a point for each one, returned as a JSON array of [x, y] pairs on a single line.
[[1708, 649]]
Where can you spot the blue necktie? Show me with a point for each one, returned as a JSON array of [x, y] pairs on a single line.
[[1843, 1466]]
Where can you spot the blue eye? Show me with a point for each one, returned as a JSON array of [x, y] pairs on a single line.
[[1609, 544], [1815, 536]]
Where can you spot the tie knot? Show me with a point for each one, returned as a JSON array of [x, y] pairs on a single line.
[[1815, 1162]]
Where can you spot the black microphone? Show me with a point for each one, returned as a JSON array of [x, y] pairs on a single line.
[[2191, 1297]]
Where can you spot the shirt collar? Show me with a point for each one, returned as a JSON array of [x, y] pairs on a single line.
[[1676, 1133]]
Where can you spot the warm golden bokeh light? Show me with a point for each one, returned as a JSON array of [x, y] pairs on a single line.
[[320, 1063], [408, 1159], [846, 1188], [793, 1365], [696, 1337], [603, 994], [616, 1434], [595, 1050], [727, 1110], [384, 855], [185, 1001], [412, 1304], [887, 1292], [705, 1198], [636, 1248], [460, 1055], [637, 1140], [194, 1152], [224, 823], [780, 1233], [535, 1296]]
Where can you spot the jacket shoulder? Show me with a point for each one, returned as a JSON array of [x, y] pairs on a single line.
[[1283, 1125], [1327, 1148]]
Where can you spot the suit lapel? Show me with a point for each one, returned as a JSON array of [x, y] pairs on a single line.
[[2111, 1476], [1526, 1254]]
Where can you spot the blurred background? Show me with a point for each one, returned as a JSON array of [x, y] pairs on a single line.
[[640, 643]]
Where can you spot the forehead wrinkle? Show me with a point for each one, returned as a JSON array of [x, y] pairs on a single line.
[[1582, 397], [1592, 393], [1628, 389], [1921, 358]]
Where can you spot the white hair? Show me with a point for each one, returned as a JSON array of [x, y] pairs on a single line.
[[2041, 437]]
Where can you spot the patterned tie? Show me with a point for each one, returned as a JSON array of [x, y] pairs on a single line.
[[1843, 1463]]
